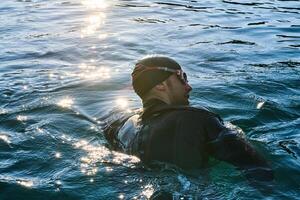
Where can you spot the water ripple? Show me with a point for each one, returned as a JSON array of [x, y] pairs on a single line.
[[65, 64]]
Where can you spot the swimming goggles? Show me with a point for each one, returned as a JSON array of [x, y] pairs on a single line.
[[180, 74]]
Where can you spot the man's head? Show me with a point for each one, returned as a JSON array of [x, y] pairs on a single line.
[[161, 78]]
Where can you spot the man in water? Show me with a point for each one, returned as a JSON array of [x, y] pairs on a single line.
[[170, 130]]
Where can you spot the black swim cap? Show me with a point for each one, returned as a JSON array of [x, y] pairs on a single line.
[[145, 76]]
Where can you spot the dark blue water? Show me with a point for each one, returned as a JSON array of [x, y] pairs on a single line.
[[66, 64]]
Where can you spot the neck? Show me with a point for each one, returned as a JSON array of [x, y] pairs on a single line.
[[156, 97]]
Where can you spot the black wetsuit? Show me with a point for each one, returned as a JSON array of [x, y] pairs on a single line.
[[184, 136]]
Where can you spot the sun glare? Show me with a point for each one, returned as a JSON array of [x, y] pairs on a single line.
[[91, 72], [3, 111], [67, 102], [94, 22], [25, 183], [100, 154], [4, 138], [148, 191], [57, 155], [22, 118], [95, 4], [122, 103], [260, 105]]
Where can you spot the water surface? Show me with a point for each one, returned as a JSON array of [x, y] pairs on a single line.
[[67, 64]]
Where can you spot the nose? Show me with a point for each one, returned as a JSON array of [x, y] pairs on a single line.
[[188, 88]]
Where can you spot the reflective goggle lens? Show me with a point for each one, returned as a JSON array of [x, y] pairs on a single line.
[[182, 76]]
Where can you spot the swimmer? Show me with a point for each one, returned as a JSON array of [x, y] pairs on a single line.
[[170, 130]]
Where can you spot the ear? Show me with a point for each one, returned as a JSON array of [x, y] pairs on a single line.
[[160, 87]]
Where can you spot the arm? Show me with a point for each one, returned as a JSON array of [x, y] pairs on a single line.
[[224, 144]]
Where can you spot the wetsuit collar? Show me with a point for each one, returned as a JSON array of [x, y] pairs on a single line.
[[153, 102], [156, 106], [151, 106]]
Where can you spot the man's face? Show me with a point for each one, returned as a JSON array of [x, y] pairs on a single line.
[[178, 92]]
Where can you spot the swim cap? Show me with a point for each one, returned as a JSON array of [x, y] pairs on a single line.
[[145, 76]]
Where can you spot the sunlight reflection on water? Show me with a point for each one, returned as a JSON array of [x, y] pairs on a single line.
[[25, 183], [95, 3], [57, 155], [260, 105], [148, 190], [5, 138], [66, 102], [96, 154], [89, 72], [80, 53], [121, 196], [3, 111], [96, 20], [92, 73], [122, 102], [22, 118]]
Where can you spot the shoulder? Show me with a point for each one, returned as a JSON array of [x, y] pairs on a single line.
[[188, 116], [200, 120], [191, 112]]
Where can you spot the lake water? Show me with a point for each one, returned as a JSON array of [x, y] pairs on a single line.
[[65, 64]]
